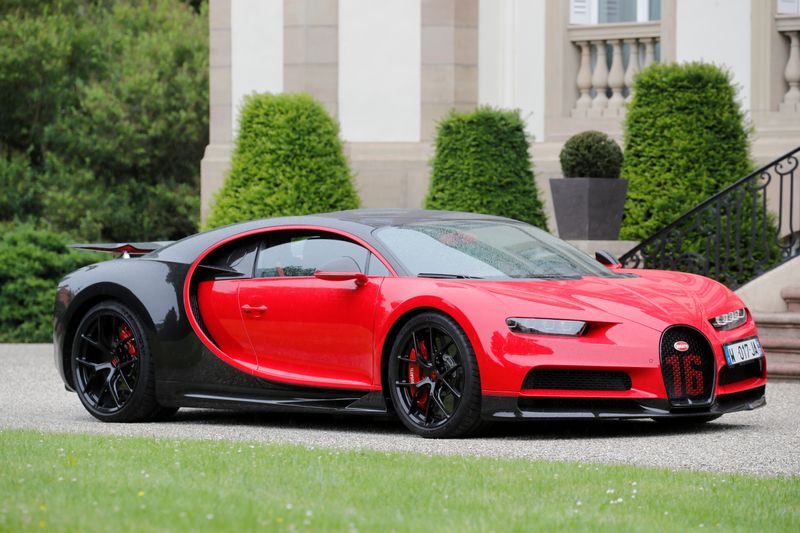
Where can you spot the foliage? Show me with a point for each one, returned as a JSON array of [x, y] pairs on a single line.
[[103, 122], [217, 485], [482, 165], [31, 264], [591, 154], [20, 190], [288, 160], [41, 58], [685, 139], [108, 101]]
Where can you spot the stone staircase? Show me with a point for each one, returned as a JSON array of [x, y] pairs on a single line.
[[779, 333]]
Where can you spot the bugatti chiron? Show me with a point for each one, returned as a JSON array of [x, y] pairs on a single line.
[[446, 320]]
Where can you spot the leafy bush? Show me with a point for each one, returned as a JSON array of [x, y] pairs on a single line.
[[482, 165], [42, 56], [108, 101], [288, 160], [685, 139], [20, 190], [591, 154], [31, 264]]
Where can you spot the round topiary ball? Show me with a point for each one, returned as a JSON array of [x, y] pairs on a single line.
[[591, 154]]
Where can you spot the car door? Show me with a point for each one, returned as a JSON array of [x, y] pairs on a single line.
[[304, 329]]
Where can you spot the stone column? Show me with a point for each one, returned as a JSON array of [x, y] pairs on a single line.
[[616, 79], [649, 52], [633, 66], [600, 80], [449, 62], [311, 50], [216, 159], [791, 100], [584, 80]]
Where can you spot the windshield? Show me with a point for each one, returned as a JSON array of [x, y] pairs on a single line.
[[486, 249]]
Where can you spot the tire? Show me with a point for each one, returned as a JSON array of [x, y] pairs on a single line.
[[435, 393], [686, 420], [112, 366]]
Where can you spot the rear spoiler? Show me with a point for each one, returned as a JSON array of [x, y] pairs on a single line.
[[127, 248]]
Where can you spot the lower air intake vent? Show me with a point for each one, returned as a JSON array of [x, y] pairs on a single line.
[[568, 379], [687, 364], [741, 372]]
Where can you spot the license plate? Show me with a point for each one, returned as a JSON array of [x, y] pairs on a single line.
[[744, 350]]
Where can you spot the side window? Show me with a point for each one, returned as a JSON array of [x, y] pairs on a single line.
[[376, 268], [300, 253], [234, 259]]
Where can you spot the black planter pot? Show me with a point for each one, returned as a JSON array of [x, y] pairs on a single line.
[[588, 208]]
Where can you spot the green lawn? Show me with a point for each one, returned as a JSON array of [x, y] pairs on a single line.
[[92, 483]]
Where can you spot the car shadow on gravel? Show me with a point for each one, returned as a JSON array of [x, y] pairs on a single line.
[[601, 429], [527, 430], [278, 420]]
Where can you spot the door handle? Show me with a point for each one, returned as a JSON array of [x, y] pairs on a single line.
[[250, 309]]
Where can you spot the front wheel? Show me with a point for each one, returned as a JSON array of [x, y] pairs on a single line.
[[433, 378], [112, 366]]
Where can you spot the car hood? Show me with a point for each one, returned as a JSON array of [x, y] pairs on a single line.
[[654, 299]]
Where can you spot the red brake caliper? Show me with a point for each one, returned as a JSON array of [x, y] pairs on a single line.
[[415, 374], [125, 333]]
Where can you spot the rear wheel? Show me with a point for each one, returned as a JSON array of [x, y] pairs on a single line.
[[433, 377], [112, 366]]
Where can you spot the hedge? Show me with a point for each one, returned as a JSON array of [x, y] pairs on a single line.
[[288, 160], [32, 261], [685, 139], [482, 165]]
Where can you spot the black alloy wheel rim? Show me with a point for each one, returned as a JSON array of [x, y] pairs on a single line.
[[430, 375], [107, 362]]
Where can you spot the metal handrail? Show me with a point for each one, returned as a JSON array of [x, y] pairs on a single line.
[[732, 236]]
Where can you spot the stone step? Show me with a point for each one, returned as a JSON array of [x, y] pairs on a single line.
[[791, 295], [783, 356], [780, 344], [783, 366], [778, 324]]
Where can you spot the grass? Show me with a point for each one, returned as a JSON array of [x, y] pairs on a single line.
[[93, 483]]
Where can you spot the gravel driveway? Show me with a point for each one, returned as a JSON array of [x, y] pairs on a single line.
[[765, 441]]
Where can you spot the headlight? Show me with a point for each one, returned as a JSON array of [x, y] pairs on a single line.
[[731, 320], [546, 326]]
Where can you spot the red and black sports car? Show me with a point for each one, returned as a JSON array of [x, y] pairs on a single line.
[[445, 319]]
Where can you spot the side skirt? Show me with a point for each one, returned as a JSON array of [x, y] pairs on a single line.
[[308, 400]]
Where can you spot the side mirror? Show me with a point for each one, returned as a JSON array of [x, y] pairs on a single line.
[[341, 269], [607, 258]]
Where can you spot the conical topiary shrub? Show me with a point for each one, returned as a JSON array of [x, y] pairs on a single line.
[[288, 160], [685, 139], [482, 165]]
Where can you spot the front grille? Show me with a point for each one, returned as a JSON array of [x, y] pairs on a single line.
[[571, 379], [689, 374], [741, 372]]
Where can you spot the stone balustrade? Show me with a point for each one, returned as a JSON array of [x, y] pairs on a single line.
[[603, 89], [789, 27]]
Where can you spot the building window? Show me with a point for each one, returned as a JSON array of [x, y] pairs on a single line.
[[614, 11], [788, 7]]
